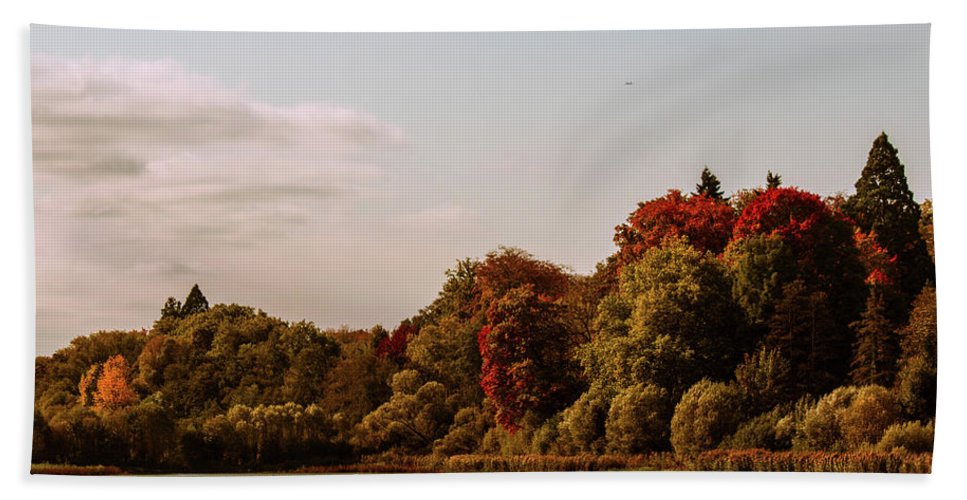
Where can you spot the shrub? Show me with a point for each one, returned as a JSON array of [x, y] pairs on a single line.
[[872, 411], [759, 432], [706, 414], [469, 427], [638, 420], [582, 424], [910, 436], [848, 418]]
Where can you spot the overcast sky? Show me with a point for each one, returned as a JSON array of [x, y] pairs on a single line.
[[335, 177]]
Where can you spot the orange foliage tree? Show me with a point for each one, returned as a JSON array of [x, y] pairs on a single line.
[[113, 388]]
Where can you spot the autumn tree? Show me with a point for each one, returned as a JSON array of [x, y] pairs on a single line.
[[709, 186], [113, 387], [764, 378], [884, 204], [88, 385], [393, 347], [526, 357], [818, 251], [704, 220], [509, 268]]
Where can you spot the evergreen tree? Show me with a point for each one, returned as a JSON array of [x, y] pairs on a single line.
[[171, 309], [875, 346], [709, 186], [773, 180], [884, 203], [803, 331], [195, 303]]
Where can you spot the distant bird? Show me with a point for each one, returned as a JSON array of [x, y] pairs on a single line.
[[629, 83]]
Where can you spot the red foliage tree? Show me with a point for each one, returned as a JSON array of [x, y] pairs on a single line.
[[526, 362], [827, 262], [393, 347], [706, 222], [881, 266], [511, 268], [821, 237]]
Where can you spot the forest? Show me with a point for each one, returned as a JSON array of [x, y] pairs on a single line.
[[773, 329]]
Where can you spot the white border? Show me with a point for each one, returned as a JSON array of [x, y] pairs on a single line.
[[947, 88]]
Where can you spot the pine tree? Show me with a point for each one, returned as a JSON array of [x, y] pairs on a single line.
[[194, 303], [884, 203], [773, 180], [709, 186], [802, 330], [875, 345]]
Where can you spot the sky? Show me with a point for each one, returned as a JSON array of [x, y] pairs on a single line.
[[335, 177]]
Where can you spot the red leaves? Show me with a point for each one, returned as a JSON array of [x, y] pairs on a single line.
[[801, 218], [705, 221], [394, 346], [510, 268], [525, 357], [880, 265]]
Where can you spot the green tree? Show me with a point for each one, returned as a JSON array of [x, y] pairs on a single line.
[[194, 303], [414, 417], [926, 226], [709, 185], [671, 323], [760, 266], [582, 425], [773, 180], [803, 331], [171, 309], [916, 382], [884, 203], [765, 379], [875, 347], [447, 352]]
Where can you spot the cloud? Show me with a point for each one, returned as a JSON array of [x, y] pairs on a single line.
[[147, 175]]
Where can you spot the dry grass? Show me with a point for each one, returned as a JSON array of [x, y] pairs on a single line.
[[717, 460], [789, 461], [75, 470]]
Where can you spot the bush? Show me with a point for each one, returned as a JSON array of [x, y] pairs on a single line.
[[706, 414], [759, 432], [848, 418], [467, 431], [873, 410], [638, 420], [582, 424], [909, 436]]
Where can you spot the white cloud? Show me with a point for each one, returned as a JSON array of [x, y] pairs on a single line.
[[148, 176]]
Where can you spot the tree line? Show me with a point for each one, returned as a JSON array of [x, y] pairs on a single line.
[[772, 319]]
